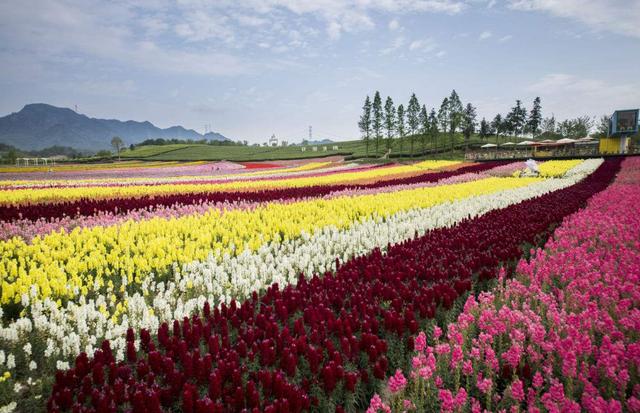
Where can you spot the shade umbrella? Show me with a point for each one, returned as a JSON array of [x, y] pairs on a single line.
[[525, 143], [489, 145], [508, 144], [548, 141], [566, 140]]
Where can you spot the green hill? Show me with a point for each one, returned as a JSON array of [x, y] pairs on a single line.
[[442, 148]]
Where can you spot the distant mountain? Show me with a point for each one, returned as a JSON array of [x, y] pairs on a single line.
[[39, 126], [215, 136]]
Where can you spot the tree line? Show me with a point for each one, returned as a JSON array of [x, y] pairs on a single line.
[[381, 125]]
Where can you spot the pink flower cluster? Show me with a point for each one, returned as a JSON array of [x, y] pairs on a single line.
[[157, 171], [562, 336]]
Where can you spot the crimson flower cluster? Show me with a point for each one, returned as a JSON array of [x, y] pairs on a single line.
[[326, 343], [88, 207]]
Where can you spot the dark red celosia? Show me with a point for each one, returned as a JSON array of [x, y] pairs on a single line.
[[87, 207], [331, 332]]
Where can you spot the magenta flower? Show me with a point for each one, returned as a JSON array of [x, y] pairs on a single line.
[[397, 382]]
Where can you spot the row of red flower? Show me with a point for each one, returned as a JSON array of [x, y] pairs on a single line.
[[324, 344], [87, 207]]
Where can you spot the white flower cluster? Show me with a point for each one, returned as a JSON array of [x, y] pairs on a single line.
[[81, 325]]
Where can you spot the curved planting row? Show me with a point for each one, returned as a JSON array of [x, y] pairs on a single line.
[[324, 344], [561, 336], [53, 195], [320, 169], [120, 205], [83, 323]]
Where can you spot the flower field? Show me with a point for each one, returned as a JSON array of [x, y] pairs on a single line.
[[314, 287]]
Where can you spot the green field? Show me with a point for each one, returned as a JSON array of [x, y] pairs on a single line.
[[441, 148]]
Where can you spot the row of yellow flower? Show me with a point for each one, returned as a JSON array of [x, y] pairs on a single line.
[[556, 169], [86, 260], [18, 196]]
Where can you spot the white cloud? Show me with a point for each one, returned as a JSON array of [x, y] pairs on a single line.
[[394, 25], [398, 42], [427, 45], [570, 95], [485, 35], [334, 30], [617, 16], [505, 38]]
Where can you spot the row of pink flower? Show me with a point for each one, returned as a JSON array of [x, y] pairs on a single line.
[[562, 336], [204, 178], [129, 172], [28, 229]]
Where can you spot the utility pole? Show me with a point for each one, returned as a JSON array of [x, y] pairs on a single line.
[[310, 133]]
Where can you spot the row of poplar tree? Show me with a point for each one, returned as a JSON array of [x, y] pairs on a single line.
[[384, 124]]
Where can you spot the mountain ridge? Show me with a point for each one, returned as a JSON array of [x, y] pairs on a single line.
[[40, 125]]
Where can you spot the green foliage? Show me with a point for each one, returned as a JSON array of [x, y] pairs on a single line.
[[535, 118], [413, 120], [468, 121], [365, 122], [444, 115], [377, 119], [389, 120]]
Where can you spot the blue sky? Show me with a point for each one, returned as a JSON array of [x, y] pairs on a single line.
[[251, 68]]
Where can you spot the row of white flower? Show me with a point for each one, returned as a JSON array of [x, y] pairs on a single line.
[[81, 326]]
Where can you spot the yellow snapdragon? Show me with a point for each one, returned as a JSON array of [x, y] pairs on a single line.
[[39, 195], [62, 264]]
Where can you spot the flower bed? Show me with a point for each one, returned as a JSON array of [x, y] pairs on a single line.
[[327, 341], [560, 336], [119, 205]]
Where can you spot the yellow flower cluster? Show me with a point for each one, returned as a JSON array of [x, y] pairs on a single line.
[[87, 260], [41, 195], [557, 169], [306, 167]]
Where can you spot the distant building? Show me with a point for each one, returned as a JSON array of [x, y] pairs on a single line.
[[622, 125]]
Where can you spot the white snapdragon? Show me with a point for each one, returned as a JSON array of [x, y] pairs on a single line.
[[62, 365], [81, 325], [9, 407], [11, 362]]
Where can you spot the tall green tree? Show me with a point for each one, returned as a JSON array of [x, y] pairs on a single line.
[[548, 125], [377, 119], [11, 156], [424, 127], [443, 115], [468, 122], [433, 128], [117, 144], [517, 119], [413, 121], [365, 123], [401, 125], [535, 118], [485, 129], [496, 125], [455, 115], [602, 128], [389, 120]]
